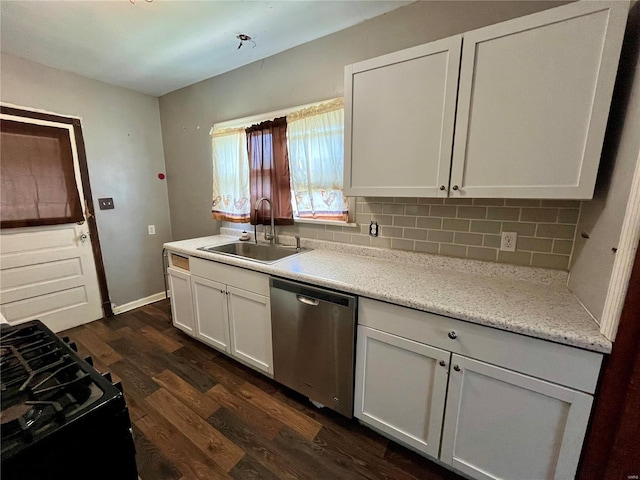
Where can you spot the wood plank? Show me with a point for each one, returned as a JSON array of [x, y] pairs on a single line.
[[298, 422], [167, 343], [179, 449], [250, 469], [209, 440], [151, 460], [202, 358], [96, 347], [101, 330], [415, 464], [260, 449], [354, 454], [135, 381], [256, 419], [352, 430], [315, 457], [200, 403]]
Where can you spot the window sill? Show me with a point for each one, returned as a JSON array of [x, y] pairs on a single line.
[[324, 222]]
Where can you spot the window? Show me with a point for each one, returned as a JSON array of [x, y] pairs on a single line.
[[315, 148], [37, 175]]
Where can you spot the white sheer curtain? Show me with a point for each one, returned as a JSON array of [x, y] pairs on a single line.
[[230, 176], [315, 139]]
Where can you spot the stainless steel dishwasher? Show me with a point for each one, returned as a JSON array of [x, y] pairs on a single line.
[[314, 342]]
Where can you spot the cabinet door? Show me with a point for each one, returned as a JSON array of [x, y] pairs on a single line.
[[210, 310], [250, 327], [501, 425], [401, 387], [534, 100], [399, 116], [181, 304]]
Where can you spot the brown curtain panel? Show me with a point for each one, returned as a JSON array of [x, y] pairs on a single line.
[[37, 181], [269, 176]]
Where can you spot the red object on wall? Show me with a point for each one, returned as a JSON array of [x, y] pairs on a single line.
[[161, 176]]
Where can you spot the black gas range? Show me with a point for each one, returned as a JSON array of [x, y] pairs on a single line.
[[60, 418]]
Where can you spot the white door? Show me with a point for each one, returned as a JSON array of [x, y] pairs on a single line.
[[210, 311], [501, 424], [534, 100], [399, 117], [49, 273], [250, 328], [181, 300], [401, 387]]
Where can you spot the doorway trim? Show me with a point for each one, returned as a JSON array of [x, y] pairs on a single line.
[[89, 211]]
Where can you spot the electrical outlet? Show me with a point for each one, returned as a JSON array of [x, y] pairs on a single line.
[[152, 229], [373, 229], [508, 241]]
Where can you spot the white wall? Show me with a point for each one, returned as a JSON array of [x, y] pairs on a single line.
[[123, 142]]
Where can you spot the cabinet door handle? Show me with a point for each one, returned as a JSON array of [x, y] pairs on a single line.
[[443, 363], [452, 335], [456, 368], [442, 187], [455, 187], [222, 291]]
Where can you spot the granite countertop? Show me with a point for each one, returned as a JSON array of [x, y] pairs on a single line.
[[533, 302]]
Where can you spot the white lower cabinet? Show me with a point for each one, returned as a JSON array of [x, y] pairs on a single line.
[[250, 327], [181, 304], [496, 423], [502, 424], [210, 308], [401, 387], [225, 307]]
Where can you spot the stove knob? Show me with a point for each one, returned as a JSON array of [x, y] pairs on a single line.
[[89, 360], [65, 339], [107, 375], [73, 346], [118, 386]]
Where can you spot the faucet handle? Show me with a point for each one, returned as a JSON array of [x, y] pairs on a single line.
[[297, 237]]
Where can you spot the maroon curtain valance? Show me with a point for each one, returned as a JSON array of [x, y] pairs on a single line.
[[269, 176]]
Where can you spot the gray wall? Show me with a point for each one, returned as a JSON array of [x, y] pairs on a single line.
[[601, 218], [308, 73], [124, 153]]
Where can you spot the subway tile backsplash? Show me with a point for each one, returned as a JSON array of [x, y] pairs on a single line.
[[468, 228]]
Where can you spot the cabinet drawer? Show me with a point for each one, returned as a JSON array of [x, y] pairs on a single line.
[[550, 361], [235, 276]]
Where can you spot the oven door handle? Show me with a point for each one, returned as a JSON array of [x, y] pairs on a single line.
[[314, 302]]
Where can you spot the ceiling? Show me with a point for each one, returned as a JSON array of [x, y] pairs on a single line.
[[160, 46]]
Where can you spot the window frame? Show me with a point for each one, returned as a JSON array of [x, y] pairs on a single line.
[[262, 117]]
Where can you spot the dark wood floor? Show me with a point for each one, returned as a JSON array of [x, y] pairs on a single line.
[[197, 414]]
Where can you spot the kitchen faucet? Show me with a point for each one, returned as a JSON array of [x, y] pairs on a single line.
[[267, 236]]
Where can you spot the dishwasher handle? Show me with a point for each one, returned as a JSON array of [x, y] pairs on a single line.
[[312, 296], [314, 302]]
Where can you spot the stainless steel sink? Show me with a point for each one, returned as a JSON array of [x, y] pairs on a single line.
[[256, 252]]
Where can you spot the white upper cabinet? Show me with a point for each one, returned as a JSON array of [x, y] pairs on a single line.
[[532, 106], [533, 102], [399, 119]]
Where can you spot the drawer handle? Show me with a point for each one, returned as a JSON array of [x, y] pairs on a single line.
[[456, 368], [452, 335], [308, 301]]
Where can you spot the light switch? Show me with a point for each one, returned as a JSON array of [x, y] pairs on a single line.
[[152, 229], [105, 203]]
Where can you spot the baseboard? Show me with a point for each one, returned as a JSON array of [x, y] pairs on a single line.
[[141, 302]]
